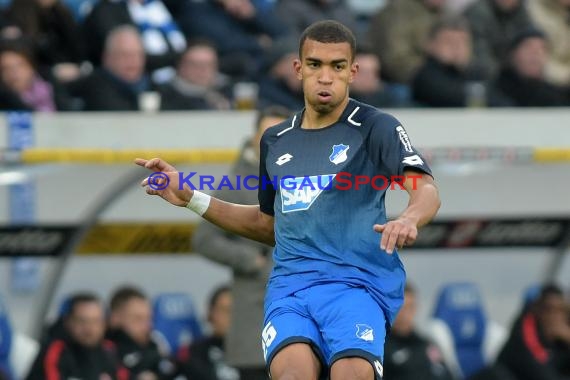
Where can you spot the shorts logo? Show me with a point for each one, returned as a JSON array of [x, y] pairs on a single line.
[[299, 193], [364, 332], [378, 367], [338, 155], [268, 335]]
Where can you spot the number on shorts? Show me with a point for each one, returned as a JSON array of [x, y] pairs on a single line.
[[267, 337]]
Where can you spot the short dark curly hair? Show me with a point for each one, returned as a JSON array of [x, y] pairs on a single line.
[[328, 32]]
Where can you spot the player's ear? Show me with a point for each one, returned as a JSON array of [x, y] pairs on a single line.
[[353, 71], [297, 67]]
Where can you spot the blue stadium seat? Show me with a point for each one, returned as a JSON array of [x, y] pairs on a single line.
[[5, 343], [176, 324], [530, 294], [468, 338]]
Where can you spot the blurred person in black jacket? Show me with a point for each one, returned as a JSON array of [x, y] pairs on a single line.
[[53, 32], [130, 326], [538, 347], [198, 83], [368, 86], [280, 84], [207, 356], [81, 352], [522, 81], [121, 81], [409, 356], [445, 78]]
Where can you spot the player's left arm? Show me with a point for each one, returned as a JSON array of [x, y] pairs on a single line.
[[424, 202]]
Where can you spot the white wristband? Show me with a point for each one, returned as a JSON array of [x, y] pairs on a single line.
[[199, 203]]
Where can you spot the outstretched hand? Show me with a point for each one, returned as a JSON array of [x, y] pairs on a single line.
[[396, 234], [164, 181]]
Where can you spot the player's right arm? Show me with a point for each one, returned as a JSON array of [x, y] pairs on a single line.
[[244, 220]]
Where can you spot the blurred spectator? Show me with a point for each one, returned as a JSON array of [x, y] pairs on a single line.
[[198, 84], [241, 34], [456, 7], [250, 261], [444, 79], [81, 353], [121, 81], [280, 84], [299, 14], [130, 325], [162, 40], [522, 81], [207, 356], [368, 86], [53, 33], [494, 23], [22, 87], [408, 356], [539, 345], [398, 33], [553, 17]]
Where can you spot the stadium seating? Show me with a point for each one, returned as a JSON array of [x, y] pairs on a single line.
[[176, 323], [468, 339]]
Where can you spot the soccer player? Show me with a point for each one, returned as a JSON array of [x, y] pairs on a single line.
[[336, 285]]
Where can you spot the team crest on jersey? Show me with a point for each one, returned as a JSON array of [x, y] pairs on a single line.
[[364, 332], [299, 193], [339, 153]]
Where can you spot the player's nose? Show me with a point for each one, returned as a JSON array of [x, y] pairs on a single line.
[[326, 76]]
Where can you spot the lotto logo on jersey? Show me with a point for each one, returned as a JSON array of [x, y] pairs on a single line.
[[299, 193]]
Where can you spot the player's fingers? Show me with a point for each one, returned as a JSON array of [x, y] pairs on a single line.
[[379, 227], [153, 163], [402, 239], [411, 238], [140, 161], [151, 191], [385, 233], [391, 235]]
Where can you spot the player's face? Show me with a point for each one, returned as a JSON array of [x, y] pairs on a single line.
[[326, 70]]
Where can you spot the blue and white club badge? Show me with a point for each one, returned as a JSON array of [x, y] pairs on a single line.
[[339, 154]]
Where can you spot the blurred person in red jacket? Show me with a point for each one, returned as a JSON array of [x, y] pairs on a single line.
[[82, 352], [539, 345]]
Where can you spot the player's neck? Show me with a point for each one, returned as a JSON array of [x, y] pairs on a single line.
[[316, 120]]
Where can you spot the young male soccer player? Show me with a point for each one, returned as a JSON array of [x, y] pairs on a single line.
[[333, 291]]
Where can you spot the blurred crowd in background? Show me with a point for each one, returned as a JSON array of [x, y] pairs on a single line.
[[129, 55], [134, 336]]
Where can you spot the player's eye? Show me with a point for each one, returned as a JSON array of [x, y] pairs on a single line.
[[313, 65], [339, 67]]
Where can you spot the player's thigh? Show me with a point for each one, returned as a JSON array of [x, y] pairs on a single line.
[[353, 326], [296, 361], [353, 368], [292, 344]]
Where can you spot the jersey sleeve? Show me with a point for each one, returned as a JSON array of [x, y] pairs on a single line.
[[266, 190], [391, 149]]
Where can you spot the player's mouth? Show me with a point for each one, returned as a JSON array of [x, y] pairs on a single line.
[[324, 96]]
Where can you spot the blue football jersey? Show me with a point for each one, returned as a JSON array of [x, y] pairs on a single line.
[[323, 219]]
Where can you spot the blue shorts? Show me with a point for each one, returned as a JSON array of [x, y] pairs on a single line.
[[338, 321]]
